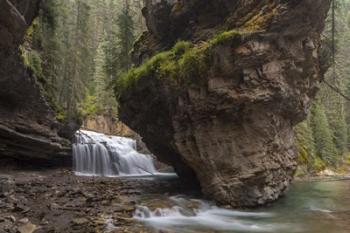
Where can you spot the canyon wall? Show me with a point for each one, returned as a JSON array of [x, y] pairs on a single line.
[[28, 126], [221, 107]]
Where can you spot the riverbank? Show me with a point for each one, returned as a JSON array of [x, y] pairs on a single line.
[[56, 200], [327, 174]]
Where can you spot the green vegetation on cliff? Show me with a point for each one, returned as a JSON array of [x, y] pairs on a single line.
[[184, 61]]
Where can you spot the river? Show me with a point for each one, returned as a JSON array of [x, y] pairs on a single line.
[[309, 207]]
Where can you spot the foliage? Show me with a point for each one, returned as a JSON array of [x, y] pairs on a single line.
[[319, 165], [33, 61], [330, 118], [76, 48], [89, 106]]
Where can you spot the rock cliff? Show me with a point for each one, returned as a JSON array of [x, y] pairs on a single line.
[[221, 106], [28, 126], [108, 124]]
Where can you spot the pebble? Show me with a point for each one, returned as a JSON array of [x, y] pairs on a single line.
[[23, 220], [12, 218]]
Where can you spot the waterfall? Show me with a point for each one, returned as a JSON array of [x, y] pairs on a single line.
[[96, 154]]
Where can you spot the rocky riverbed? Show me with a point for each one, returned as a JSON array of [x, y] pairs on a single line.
[[56, 200]]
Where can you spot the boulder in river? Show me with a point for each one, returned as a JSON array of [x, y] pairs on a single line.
[[218, 86]]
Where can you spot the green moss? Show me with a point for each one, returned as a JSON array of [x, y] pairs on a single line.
[[32, 61], [225, 36], [168, 69], [262, 19], [193, 63], [60, 116], [162, 64], [181, 47], [183, 62]]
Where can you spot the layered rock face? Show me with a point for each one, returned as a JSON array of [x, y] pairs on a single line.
[[28, 127], [229, 127], [107, 124], [110, 125]]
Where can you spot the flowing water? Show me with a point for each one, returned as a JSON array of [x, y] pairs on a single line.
[[309, 207], [96, 154]]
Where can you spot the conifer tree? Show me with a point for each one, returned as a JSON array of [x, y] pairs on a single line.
[[125, 36], [305, 143], [325, 147]]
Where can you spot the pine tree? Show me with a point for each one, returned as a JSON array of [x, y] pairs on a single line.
[[125, 36], [111, 45], [306, 145], [325, 147], [100, 76], [80, 63], [335, 104]]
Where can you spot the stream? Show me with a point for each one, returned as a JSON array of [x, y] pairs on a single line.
[[309, 207]]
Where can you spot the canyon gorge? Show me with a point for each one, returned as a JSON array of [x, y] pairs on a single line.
[[215, 89]]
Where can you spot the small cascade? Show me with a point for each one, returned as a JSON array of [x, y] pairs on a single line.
[[96, 154], [191, 215]]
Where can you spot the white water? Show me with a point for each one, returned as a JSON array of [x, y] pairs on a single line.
[[204, 217], [96, 154]]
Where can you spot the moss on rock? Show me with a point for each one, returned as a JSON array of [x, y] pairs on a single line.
[[262, 19], [182, 62]]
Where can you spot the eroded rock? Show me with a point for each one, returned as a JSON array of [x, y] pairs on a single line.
[[229, 123], [28, 125]]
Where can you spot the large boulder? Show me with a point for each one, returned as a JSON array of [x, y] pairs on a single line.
[[221, 108], [28, 126]]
